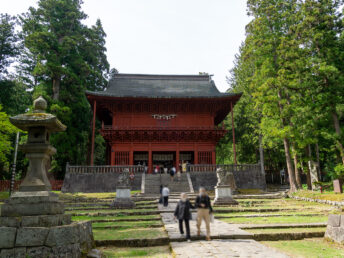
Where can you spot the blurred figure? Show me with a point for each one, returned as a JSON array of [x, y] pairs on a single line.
[[204, 209], [183, 213], [165, 193]]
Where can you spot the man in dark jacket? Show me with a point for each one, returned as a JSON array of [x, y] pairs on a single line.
[[183, 213], [204, 209]]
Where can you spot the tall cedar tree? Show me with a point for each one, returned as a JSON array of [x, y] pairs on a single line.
[[68, 58], [321, 33]]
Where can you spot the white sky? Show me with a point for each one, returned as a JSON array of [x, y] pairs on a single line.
[[165, 36]]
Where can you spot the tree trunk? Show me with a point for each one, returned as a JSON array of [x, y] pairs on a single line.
[[56, 87], [318, 161], [337, 128], [297, 173], [261, 155], [291, 174], [309, 181]]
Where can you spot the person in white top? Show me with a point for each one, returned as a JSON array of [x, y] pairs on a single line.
[[165, 193]]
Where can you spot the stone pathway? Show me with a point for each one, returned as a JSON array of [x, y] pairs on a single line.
[[228, 239], [224, 248]]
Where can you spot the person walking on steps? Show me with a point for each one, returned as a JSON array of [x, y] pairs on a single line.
[[165, 193], [183, 213], [172, 172], [204, 210]]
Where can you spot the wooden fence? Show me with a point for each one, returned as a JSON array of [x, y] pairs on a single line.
[[5, 185]]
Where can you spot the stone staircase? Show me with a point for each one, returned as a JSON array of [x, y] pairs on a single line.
[[153, 182]]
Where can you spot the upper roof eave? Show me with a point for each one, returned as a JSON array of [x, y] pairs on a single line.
[[105, 95]]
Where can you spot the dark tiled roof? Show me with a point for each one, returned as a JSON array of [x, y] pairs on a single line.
[[160, 86]]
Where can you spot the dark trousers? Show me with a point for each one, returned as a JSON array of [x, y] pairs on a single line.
[[187, 226], [165, 201]]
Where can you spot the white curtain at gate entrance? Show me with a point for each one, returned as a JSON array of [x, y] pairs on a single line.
[[162, 157], [141, 156], [185, 156]]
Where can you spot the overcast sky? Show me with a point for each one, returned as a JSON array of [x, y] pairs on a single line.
[[165, 36]]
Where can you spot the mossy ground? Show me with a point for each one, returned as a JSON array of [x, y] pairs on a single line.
[[326, 195], [286, 230], [4, 195], [128, 233], [307, 248], [159, 251]]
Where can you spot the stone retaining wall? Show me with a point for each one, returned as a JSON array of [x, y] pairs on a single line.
[[71, 240], [243, 180], [106, 182], [335, 228], [95, 182]]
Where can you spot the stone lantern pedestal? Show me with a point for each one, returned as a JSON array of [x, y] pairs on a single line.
[[32, 220], [224, 188], [123, 195]]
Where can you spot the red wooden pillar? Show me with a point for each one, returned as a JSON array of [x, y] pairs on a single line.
[[112, 156], [195, 154], [131, 157], [177, 159], [233, 132], [93, 130], [150, 161], [213, 157]]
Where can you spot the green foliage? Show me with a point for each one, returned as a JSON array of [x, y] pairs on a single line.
[[338, 172], [6, 130]]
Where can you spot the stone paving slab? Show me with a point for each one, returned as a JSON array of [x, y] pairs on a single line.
[[218, 229], [224, 248], [228, 240]]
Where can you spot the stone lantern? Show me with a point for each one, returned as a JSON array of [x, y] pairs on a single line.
[[32, 220]]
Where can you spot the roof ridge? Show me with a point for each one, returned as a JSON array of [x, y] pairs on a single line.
[[162, 76]]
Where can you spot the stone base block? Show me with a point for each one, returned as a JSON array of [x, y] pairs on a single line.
[[223, 195], [32, 209], [225, 201], [31, 204], [71, 240], [36, 221], [122, 203], [335, 228]]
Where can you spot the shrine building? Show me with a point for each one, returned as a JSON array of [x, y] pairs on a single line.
[[161, 119]]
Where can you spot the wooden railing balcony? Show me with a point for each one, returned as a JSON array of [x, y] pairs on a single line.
[[103, 169], [141, 169], [153, 128]]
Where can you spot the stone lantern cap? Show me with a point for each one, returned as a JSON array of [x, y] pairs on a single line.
[[38, 118]]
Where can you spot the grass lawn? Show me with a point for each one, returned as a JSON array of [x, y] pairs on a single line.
[[284, 203], [80, 218], [327, 195], [313, 247], [158, 251], [4, 195], [286, 230], [268, 214], [128, 233], [90, 195], [128, 224], [277, 220], [110, 211]]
